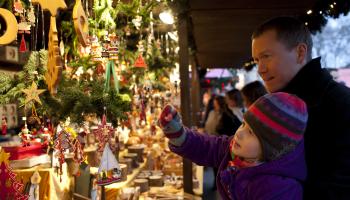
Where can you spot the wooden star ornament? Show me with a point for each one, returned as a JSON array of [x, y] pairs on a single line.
[[33, 93]]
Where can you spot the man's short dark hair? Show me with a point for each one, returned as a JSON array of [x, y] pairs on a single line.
[[290, 31]]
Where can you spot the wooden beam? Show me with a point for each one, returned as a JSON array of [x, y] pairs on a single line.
[[195, 92], [185, 94]]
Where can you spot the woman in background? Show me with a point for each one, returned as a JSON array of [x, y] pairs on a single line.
[[214, 115]]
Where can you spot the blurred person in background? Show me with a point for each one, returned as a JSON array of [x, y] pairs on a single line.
[[234, 101], [251, 92]]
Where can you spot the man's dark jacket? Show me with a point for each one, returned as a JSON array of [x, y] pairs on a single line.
[[327, 137]]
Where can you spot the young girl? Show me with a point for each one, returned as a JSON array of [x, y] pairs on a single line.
[[263, 160]]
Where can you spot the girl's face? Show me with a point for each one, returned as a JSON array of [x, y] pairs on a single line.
[[246, 144]]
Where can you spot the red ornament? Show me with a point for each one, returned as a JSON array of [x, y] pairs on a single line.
[[103, 134], [140, 62], [62, 142], [78, 152], [23, 46]]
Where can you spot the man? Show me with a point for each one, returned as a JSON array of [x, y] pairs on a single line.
[[281, 47]]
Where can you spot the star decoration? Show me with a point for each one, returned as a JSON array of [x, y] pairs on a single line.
[[4, 157], [33, 93]]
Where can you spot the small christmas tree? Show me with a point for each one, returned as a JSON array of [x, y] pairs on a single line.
[[62, 143], [10, 188]]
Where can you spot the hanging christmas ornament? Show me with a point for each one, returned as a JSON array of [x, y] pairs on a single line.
[[23, 46], [34, 118], [137, 22], [18, 7], [81, 23], [104, 133], [140, 61], [110, 68], [96, 49], [24, 27], [78, 152], [105, 45], [150, 38], [31, 15], [61, 144], [61, 46], [33, 93], [113, 47]]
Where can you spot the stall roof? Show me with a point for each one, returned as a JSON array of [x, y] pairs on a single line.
[[221, 29]]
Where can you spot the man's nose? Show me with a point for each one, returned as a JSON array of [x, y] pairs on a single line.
[[261, 67]]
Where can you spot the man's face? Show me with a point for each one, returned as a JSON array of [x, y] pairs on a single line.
[[277, 65]]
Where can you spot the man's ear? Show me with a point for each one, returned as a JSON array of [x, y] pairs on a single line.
[[301, 50]]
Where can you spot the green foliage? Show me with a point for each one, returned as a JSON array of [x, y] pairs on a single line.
[[8, 4], [70, 38], [134, 8], [75, 99], [11, 87], [105, 13], [155, 59]]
